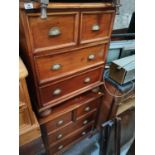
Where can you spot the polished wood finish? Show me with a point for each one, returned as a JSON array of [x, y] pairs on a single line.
[[35, 57], [72, 137], [71, 105], [89, 20], [88, 107], [63, 132], [36, 5], [69, 62], [39, 30], [58, 122], [53, 92], [66, 61]]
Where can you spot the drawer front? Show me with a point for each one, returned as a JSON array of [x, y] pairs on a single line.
[[53, 92], [96, 26], [86, 108], [57, 31], [60, 146], [62, 133], [55, 66], [58, 122]]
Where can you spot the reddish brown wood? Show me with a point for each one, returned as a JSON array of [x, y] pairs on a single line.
[[62, 133], [103, 19], [39, 30], [68, 86], [70, 62], [58, 122], [71, 138], [71, 105], [70, 49], [88, 107]]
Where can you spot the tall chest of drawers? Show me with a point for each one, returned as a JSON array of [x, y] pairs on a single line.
[[65, 54]]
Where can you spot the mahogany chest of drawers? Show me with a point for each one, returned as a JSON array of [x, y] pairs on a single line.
[[65, 54]]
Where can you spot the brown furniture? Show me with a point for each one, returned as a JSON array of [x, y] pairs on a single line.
[[29, 130], [65, 54]]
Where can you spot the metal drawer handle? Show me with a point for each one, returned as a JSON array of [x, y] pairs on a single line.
[[87, 80], [59, 136], [87, 109], [60, 122], [83, 133], [57, 92], [91, 57], [54, 31], [60, 147], [95, 27], [85, 122], [56, 67]]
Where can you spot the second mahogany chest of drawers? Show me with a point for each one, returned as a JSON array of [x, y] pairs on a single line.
[[65, 54]]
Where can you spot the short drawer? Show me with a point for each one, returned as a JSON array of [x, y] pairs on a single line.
[[70, 139], [96, 25], [59, 65], [57, 31], [54, 92], [58, 122], [62, 133], [86, 108]]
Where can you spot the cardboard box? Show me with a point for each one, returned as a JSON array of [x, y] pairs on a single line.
[[123, 70]]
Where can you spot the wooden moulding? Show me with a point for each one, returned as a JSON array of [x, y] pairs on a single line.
[[36, 5]]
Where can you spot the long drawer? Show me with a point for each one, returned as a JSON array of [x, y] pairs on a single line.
[[70, 139], [55, 66], [62, 133], [54, 92]]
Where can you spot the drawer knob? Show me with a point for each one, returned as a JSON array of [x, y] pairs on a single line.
[[54, 31], [60, 122], [59, 136], [95, 27], [56, 67], [96, 90], [60, 147], [83, 133], [91, 57], [87, 80], [85, 122], [57, 92], [87, 109]]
